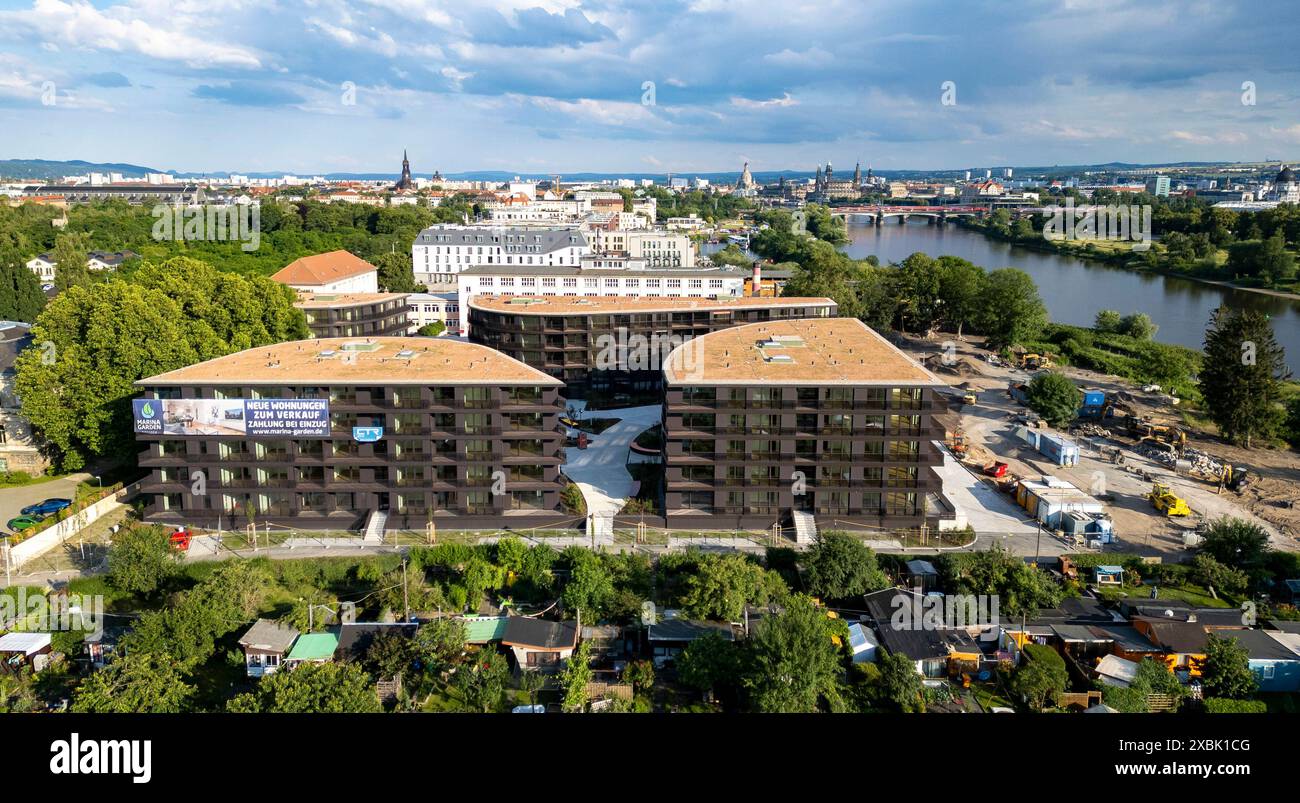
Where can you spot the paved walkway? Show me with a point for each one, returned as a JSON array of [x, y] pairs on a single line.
[[600, 470], [985, 509]]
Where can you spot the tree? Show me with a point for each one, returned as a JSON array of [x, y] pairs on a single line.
[[575, 676], [960, 285], [483, 681], [917, 282], [531, 683], [1237, 543], [69, 256], [142, 560], [388, 654], [395, 272], [708, 662], [899, 686], [1138, 325], [1226, 669], [1041, 676], [591, 586], [641, 674], [841, 566], [1108, 321], [1019, 589], [794, 663], [1151, 677], [134, 683], [438, 644], [311, 688], [1242, 374], [1055, 397], [432, 329], [723, 584], [1010, 309], [21, 298], [1213, 574]]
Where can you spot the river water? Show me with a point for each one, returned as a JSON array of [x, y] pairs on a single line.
[[1075, 290]]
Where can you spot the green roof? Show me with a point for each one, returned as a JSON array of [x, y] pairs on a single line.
[[482, 629], [314, 647]]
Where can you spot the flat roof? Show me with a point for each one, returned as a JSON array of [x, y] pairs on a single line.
[[591, 305], [717, 272], [796, 351], [314, 647], [359, 361], [310, 300]]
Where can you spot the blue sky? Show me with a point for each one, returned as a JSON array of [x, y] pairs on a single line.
[[557, 86]]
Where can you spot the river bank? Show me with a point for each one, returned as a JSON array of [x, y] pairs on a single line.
[[1120, 258]]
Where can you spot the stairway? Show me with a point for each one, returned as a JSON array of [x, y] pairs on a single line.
[[805, 527], [374, 532]]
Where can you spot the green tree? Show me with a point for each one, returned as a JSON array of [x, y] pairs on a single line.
[[142, 560], [1011, 310], [1237, 543], [899, 686], [1209, 572], [311, 688], [1108, 321], [794, 664], [575, 676], [432, 329], [70, 255], [1226, 669], [395, 272], [1053, 396], [482, 682], [134, 683], [590, 588], [708, 663], [723, 584], [641, 674], [531, 683], [1242, 374], [1041, 676], [960, 286], [1138, 325], [21, 298], [840, 566], [438, 644]]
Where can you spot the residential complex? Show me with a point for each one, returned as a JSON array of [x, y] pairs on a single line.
[[440, 253], [354, 314], [344, 433], [615, 343], [767, 421]]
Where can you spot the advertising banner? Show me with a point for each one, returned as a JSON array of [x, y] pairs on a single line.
[[256, 418]]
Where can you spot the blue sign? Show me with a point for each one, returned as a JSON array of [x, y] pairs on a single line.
[[367, 434], [295, 418]]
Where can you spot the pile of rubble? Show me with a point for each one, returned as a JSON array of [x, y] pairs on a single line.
[[1203, 463], [1156, 453]]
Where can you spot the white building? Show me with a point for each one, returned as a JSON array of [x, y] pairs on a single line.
[[599, 275], [331, 272], [657, 249], [441, 252], [426, 308], [45, 267], [553, 212]]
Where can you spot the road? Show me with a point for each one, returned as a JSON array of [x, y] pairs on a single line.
[[13, 500]]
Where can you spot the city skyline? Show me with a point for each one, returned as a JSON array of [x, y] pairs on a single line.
[[562, 87]]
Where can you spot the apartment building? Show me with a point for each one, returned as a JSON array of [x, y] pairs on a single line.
[[342, 433], [615, 344], [423, 309], [354, 314], [769, 422], [656, 249], [442, 252]]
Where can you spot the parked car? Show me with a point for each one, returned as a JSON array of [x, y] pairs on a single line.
[[19, 523], [46, 507], [529, 709]]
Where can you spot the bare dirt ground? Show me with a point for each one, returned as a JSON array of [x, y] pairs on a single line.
[[989, 426]]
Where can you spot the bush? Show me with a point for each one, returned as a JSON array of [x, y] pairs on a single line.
[[15, 478], [572, 501], [1220, 705]]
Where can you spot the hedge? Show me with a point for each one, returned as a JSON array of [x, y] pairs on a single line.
[[1222, 705]]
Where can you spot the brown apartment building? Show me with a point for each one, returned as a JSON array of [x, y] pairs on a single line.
[[355, 314], [340, 433], [616, 344], [774, 422]]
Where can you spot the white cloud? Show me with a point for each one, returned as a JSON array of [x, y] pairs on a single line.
[[747, 103]]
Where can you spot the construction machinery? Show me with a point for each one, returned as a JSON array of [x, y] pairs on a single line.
[[1167, 502], [1033, 362], [968, 398], [1142, 429]]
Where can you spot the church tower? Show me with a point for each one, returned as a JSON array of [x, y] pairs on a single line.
[[405, 182]]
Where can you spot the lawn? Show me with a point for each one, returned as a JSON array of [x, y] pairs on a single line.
[[1192, 594]]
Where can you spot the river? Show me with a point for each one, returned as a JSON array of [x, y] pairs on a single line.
[[1075, 290]]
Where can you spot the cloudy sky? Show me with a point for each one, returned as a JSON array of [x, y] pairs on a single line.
[[645, 85]]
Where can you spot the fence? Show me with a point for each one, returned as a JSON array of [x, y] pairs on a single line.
[[32, 547]]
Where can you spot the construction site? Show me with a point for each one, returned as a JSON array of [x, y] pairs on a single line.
[[1125, 475]]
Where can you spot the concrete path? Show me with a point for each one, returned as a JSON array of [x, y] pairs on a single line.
[[600, 470], [985, 508]]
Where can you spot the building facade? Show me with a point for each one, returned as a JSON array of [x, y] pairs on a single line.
[[354, 314], [423, 309], [615, 344], [330, 272], [442, 252], [341, 433], [818, 416]]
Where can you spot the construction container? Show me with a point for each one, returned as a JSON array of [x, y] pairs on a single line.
[[1094, 398], [1061, 451], [1050, 499]]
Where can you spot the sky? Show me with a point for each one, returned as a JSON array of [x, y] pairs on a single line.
[[646, 86]]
